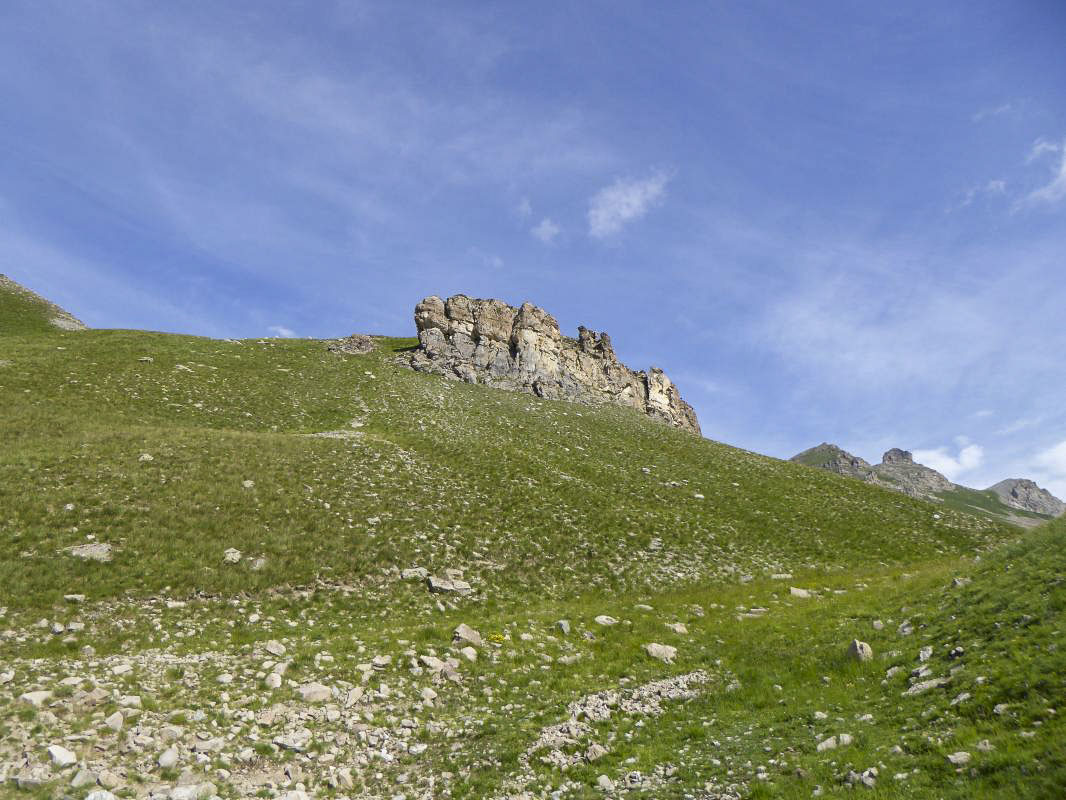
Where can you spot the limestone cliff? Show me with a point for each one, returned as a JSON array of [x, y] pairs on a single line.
[[1024, 494], [522, 349]]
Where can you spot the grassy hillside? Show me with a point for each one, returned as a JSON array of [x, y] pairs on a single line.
[[332, 474], [23, 312]]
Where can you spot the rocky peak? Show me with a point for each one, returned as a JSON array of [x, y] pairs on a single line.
[[897, 456], [834, 459], [522, 349], [1024, 494]]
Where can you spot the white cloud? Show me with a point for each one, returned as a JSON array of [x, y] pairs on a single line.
[[1055, 190], [969, 457], [1040, 147], [282, 332], [992, 112], [545, 230], [1050, 469], [625, 200]]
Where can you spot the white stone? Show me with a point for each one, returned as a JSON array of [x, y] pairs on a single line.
[[315, 693], [663, 652], [115, 721], [36, 699], [464, 633], [469, 653], [795, 591], [959, 758], [604, 619], [232, 556], [275, 648], [168, 758], [61, 757]]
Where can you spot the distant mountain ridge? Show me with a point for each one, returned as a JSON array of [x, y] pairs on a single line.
[[1016, 500], [1025, 494]]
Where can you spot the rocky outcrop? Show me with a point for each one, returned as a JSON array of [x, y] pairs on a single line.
[[1025, 495], [899, 471], [832, 458], [521, 349]]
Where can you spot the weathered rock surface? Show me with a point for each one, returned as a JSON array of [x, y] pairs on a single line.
[[1025, 495], [354, 345], [522, 349], [897, 470]]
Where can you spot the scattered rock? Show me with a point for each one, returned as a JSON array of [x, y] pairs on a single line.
[[448, 586], [604, 619], [959, 758], [61, 757], [795, 591], [315, 693], [663, 652], [464, 633], [232, 556], [168, 758], [94, 551], [860, 651], [355, 345]]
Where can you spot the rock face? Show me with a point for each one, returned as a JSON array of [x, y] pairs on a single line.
[[522, 349], [830, 457], [898, 470], [1023, 494]]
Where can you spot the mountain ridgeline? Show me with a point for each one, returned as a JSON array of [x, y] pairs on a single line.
[[1018, 501]]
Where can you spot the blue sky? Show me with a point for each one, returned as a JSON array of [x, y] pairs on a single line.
[[826, 221]]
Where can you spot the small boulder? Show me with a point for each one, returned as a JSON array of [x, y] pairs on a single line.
[[663, 652], [61, 757], [315, 693], [860, 651], [464, 633]]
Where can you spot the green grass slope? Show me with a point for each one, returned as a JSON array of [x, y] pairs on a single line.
[[24, 312], [332, 474]]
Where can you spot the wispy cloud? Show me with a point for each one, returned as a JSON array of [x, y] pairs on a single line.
[[1055, 189], [545, 230], [995, 111], [967, 457], [281, 332], [992, 188], [625, 200]]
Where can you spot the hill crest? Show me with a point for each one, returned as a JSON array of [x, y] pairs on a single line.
[[28, 307]]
